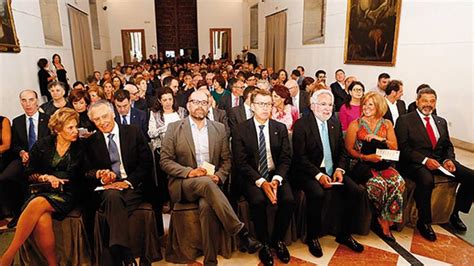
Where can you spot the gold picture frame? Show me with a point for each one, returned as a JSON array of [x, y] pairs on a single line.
[[8, 39], [372, 32]]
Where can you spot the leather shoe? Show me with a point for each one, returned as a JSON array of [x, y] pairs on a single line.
[[12, 223], [426, 231], [350, 243], [378, 231], [457, 223], [247, 243], [265, 256], [282, 252], [315, 248]]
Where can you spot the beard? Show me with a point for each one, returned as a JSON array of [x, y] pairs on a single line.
[[199, 114], [426, 110]]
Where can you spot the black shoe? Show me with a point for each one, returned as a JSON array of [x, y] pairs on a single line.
[[282, 252], [315, 248], [377, 229], [12, 223], [426, 231], [247, 243], [265, 256], [457, 223], [350, 243]]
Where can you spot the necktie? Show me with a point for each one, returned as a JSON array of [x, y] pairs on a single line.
[[262, 154], [327, 149], [430, 132], [114, 156], [31, 134], [236, 102], [124, 120]]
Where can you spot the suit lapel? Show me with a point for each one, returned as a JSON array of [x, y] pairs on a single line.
[[211, 133], [253, 140], [274, 137], [441, 130], [241, 113], [332, 134], [421, 127], [42, 127], [188, 135], [133, 116], [124, 143]]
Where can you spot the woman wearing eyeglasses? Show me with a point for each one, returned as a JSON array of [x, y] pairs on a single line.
[[350, 110]]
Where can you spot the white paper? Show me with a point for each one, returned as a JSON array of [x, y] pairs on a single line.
[[210, 168], [387, 154], [336, 183], [444, 171], [100, 188]]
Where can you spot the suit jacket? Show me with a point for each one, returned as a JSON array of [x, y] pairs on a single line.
[[415, 145], [141, 104], [135, 153], [308, 151], [303, 104], [401, 111], [43, 76], [221, 117], [138, 118], [20, 135], [340, 95], [236, 116], [245, 150], [178, 154], [226, 104]]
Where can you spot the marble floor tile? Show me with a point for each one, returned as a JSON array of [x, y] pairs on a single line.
[[370, 256]]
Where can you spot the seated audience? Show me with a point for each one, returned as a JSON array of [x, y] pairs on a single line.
[[186, 146], [321, 79], [283, 111], [78, 85], [117, 83], [425, 146], [243, 112], [57, 91], [227, 102], [125, 114], [300, 99], [350, 110], [56, 166], [219, 88], [214, 113], [382, 83], [80, 101], [396, 106], [108, 91], [307, 85], [319, 161], [96, 94], [282, 76], [384, 184], [120, 161], [135, 99], [262, 154], [412, 106]]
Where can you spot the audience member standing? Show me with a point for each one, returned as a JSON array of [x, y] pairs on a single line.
[[58, 68], [45, 76]]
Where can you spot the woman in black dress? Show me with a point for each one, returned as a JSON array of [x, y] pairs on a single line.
[[56, 161], [58, 68], [45, 76]]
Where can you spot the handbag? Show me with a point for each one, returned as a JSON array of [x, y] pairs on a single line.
[[44, 187], [370, 148]]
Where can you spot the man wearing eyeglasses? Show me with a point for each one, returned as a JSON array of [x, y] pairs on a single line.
[[135, 99], [195, 154], [262, 154], [235, 99], [320, 163]]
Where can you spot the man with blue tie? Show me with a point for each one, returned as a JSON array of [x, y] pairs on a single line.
[[320, 163], [26, 130], [128, 115], [262, 154]]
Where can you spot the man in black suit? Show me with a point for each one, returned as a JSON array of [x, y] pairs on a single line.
[[227, 101], [300, 98], [425, 146], [338, 89], [120, 160], [125, 114], [26, 130], [262, 154], [135, 99], [320, 160], [396, 106], [242, 112]]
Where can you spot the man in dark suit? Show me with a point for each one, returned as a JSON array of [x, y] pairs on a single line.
[[320, 160], [26, 130], [120, 160], [234, 99], [425, 146], [242, 112], [396, 107], [262, 154], [135, 99], [125, 114], [338, 89], [187, 146], [300, 98]]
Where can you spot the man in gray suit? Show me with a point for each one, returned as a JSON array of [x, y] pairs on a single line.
[[188, 145]]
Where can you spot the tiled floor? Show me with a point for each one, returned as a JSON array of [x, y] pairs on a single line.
[[447, 250]]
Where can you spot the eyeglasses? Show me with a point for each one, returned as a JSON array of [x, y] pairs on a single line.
[[325, 104], [239, 87], [262, 104], [197, 102], [357, 90]]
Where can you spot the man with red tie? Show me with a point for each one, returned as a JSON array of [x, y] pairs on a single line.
[[425, 147]]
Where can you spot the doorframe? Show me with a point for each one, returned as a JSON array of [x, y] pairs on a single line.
[[211, 39], [142, 31]]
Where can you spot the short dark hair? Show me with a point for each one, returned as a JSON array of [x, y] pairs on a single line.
[[121, 95], [157, 105], [55, 83], [302, 68], [320, 72], [296, 72], [393, 85], [167, 81], [248, 90], [384, 76], [340, 69], [91, 79], [422, 86], [77, 83], [77, 95], [220, 79], [426, 91], [42, 62], [347, 101], [274, 76]]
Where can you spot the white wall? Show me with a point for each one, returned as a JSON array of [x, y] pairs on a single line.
[[19, 70], [127, 14], [435, 46], [220, 14]]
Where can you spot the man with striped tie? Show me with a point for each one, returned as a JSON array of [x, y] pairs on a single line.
[[262, 154]]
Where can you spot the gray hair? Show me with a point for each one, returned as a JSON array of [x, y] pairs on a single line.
[[97, 104], [314, 97]]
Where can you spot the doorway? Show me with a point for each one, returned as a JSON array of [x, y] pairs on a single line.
[[133, 46], [221, 43], [275, 40]]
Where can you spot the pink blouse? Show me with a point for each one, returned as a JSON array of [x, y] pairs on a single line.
[[347, 115], [288, 116]]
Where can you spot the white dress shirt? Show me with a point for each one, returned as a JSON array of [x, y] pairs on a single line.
[[127, 117], [210, 114], [394, 110], [248, 111], [232, 98], [296, 101], [433, 125], [116, 132], [201, 142], [270, 163]]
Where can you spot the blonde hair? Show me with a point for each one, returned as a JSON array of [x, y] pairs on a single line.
[[60, 118], [380, 104]]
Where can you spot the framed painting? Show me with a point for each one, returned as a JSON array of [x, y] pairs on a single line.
[[372, 32], [8, 39]]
